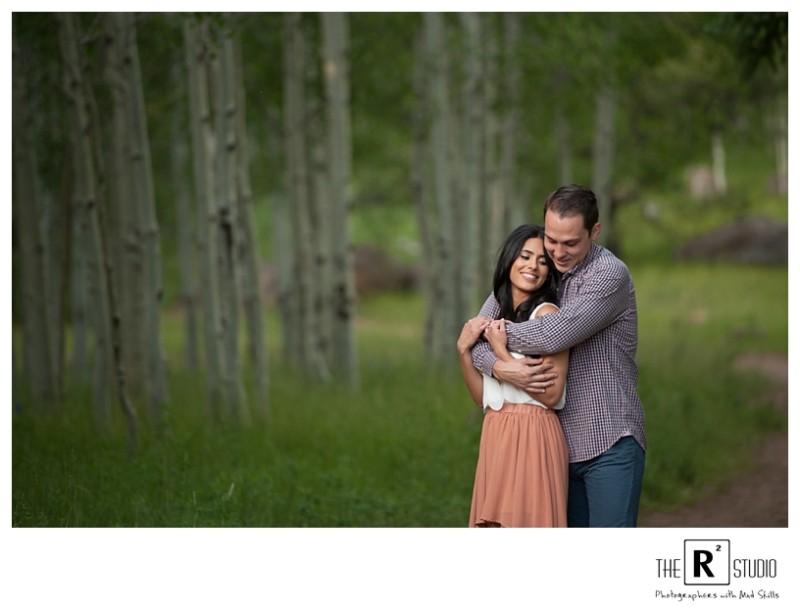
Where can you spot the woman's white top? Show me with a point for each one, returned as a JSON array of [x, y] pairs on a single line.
[[496, 393]]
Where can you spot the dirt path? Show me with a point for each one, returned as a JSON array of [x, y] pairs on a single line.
[[757, 499]]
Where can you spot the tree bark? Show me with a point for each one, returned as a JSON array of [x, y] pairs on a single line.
[[186, 230], [249, 249], [718, 164], [420, 190], [124, 221], [603, 158], [105, 315], [226, 110], [38, 329], [342, 300], [134, 200], [445, 298], [198, 57], [299, 182], [474, 147]]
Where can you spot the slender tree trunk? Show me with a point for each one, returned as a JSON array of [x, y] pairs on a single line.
[[179, 169], [603, 158], [134, 198], [446, 297], [493, 203], [421, 192], [198, 57], [228, 162], [509, 199], [337, 87], [141, 165], [80, 308], [718, 164], [124, 221], [297, 167], [474, 147], [38, 328], [250, 258], [777, 126], [561, 126], [106, 317], [320, 210]]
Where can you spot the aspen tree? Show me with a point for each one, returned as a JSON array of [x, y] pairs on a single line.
[[38, 330], [106, 316], [198, 58], [342, 300]]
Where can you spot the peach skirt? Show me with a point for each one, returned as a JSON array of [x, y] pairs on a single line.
[[522, 475]]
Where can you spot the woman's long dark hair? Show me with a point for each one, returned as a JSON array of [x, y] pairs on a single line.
[[506, 257]]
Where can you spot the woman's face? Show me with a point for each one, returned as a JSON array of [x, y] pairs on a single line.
[[529, 271]]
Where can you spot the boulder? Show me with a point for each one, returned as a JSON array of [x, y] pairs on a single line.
[[750, 240]]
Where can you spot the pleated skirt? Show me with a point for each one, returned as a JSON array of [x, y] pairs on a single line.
[[521, 479]]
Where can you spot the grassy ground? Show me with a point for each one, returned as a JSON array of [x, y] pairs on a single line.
[[402, 451]]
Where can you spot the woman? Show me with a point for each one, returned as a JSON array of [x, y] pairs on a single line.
[[521, 477]]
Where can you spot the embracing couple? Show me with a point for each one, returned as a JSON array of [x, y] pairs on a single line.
[[551, 358]]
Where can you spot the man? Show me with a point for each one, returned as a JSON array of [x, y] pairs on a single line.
[[603, 419]]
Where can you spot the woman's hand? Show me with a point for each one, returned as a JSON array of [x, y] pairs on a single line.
[[472, 330], [497, 337]]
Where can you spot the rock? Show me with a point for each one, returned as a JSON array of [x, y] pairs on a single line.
[[751, 240]]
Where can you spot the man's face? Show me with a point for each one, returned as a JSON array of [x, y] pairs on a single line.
[[566, 240]]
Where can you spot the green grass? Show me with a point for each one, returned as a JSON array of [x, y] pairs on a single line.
[[401, 452]]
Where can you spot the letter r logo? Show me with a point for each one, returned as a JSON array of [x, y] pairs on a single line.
[[701, 560], [707, 562]]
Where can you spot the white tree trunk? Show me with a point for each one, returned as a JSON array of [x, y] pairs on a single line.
[[509, 199], [718, 164], [226, 111], [198, 57], [299, 182], [420, 189], [124, 221], [342, 300], [780, 138], [105, 314], [562, 129], [134, 204], [249, 250], [475, 194], [445, 298], [603, 156], [153, 293], [38, 343], [179, 172]]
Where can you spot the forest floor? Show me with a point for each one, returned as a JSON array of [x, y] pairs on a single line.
[[758, 498]]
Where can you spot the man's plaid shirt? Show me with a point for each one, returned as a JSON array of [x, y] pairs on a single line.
[[598, 321]]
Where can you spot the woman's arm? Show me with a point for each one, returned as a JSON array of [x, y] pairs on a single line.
[[472, 330]]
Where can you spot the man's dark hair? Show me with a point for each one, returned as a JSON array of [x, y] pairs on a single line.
[[571, 200]]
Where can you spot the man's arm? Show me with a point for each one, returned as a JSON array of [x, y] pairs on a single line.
[[483, 356], [602, 299], [531, 375]]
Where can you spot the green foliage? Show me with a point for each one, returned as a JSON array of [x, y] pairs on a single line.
[[755, 38], [401, 452], [703, 416]]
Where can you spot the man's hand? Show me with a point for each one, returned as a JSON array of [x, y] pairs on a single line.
[[529, 374]]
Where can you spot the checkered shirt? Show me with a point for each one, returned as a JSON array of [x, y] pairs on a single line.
[[597, 320]]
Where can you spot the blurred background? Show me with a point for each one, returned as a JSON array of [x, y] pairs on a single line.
[[244, 245]]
